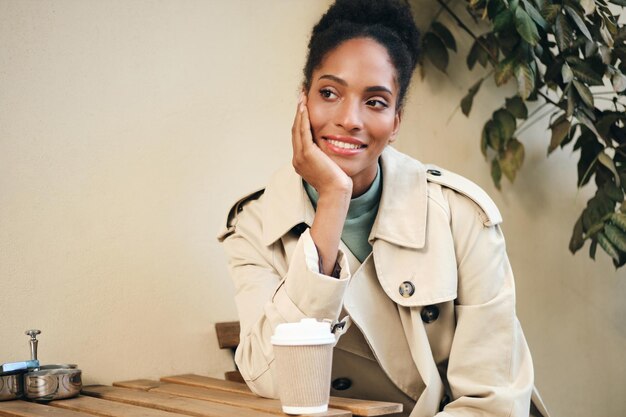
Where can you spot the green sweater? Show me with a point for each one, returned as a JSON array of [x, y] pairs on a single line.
[[360, 218]]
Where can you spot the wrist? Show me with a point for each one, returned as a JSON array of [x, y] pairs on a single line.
[[339, 195]]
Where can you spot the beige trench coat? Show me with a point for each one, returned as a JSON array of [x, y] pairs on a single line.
[[436, 244]]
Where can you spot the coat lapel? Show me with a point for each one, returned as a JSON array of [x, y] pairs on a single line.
[[401, 252]]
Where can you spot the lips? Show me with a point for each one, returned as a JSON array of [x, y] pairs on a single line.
[[344, 145]]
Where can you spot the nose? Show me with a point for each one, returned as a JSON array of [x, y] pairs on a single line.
[[349, 115]]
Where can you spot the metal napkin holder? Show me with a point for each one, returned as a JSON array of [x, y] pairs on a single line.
[[35, 382]]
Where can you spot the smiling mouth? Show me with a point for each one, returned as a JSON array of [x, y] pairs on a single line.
[[343, 144]]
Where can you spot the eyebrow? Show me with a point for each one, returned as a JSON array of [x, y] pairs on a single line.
[[372, 89]]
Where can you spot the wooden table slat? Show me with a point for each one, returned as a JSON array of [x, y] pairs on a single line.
[[208, 382], [233, 398], [138, 384], [19, 408], [356, 407], [173, 403], [104, 408]]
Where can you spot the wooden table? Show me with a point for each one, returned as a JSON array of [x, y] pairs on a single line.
[[180, 395]]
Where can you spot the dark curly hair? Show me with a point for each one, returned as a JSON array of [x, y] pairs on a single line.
[[388, 22]]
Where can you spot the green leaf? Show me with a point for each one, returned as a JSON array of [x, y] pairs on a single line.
[[594, 215], [566, 73], [560, 129], [503, 20], [525, 80], [525, 26], [589, 150], [620, 37], [606, 160], [564, 33], [579, 22], [517, 107], [584, 119], [606, 35], [484, 140], [496, 172], [512, 159], [550, 11], [466, 102], [591, 48], [577, 241], [435, 51], [608, 247], [472, 56], [592, 249], [619, 219], [492, 46], [504, 70], [506, 123], [607, 121], [584, 93], [612, 191], [616, 236], [584, 72], [492, 133], [445, 35], [611, 24], [535, 15], [572, 99]]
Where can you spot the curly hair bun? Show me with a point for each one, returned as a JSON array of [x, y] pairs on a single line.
[[392, 14]]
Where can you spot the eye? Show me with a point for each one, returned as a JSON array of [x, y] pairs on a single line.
[[327, 93], [377, 104]]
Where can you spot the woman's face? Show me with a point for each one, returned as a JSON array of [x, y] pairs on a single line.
[[352, 107]]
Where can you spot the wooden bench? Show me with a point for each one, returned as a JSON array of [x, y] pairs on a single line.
[[228, 338]]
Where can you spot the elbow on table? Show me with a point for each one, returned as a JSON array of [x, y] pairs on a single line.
[[260, 381]]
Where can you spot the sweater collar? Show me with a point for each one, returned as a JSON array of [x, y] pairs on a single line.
[[401, 218]]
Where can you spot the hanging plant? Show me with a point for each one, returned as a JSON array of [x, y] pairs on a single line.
[[569, 57]]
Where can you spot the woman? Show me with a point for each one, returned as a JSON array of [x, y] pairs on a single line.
[[412, 259]]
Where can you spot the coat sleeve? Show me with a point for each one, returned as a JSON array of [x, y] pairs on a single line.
[[490, 370], [267, 295]]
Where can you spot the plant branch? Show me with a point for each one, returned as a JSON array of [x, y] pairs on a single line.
[[548, 99], [462, 25]]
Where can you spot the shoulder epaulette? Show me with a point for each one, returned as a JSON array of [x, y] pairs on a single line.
[[238, 206], [466, 187], [236, 209]]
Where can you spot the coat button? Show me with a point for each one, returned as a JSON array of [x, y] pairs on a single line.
[[406, 289], [429, 314], [434, 172], [341, 384]]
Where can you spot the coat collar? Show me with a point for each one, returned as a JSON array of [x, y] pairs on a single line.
[[401, 218]]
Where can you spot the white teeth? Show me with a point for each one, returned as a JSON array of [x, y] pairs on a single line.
[[343, 145]]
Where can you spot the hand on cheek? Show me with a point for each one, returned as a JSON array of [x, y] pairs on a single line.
[[310, 162]]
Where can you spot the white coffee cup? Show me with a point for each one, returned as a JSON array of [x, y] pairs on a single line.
[[303, 355]]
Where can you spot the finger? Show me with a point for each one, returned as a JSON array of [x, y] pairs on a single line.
[[295, 130], [305, 127]]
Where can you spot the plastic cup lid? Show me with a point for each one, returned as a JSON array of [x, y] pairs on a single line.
[[304, 332]]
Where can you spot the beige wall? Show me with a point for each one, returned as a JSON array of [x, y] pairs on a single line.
[[127, 128]]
